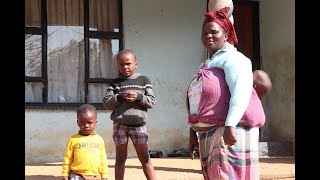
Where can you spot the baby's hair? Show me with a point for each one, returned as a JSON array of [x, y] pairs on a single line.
[[126, 51], [86, 108], [261, 82]]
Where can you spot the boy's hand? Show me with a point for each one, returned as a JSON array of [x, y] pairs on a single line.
[[130, 96], [65, 178], [123, 95]]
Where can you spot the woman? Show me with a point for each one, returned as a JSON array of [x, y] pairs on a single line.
[[223, 107]]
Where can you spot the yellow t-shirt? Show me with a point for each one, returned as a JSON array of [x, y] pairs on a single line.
[[85, 155]]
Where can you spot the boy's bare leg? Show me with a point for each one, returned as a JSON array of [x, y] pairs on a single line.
[[121, 157], [144, 158]]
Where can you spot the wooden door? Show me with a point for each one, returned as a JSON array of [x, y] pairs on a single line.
[[246, 22]]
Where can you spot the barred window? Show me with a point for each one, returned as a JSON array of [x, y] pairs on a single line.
[[70, 48]]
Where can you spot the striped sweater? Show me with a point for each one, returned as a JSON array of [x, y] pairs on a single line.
[[129, 113]]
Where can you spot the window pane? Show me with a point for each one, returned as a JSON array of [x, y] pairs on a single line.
[[103, 63], [33, 92], [96, 92], [32, 13], [33, 55], [65, 52], [103, 15]]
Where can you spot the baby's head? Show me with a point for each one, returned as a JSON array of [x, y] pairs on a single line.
[[261, 83]]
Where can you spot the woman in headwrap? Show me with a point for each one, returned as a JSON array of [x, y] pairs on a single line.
[[223, 107]]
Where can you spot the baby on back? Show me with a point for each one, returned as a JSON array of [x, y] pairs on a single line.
[[261, 83]]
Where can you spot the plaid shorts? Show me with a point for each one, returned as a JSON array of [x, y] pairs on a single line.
[[121, 133]]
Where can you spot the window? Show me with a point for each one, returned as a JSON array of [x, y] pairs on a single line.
[[70, 48]]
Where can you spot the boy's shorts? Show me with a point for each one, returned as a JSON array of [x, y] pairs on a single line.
[[121, 133], [75, 176]]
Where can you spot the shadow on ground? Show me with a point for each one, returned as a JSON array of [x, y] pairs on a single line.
[[282, 160], [157, 168], [42, 177]]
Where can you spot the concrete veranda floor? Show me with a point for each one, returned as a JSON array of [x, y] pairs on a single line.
[[170, 168]]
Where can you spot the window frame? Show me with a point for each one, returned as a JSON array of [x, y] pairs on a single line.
[[87, 35]]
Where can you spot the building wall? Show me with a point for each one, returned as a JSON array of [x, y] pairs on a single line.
[[277, 33], [47, 131]]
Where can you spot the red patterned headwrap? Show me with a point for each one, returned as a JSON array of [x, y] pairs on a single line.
[[221, 18]]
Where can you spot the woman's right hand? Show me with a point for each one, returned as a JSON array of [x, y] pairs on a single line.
[[193, 141], [229, 135]]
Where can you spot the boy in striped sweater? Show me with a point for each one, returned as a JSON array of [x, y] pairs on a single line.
[[129, 98]]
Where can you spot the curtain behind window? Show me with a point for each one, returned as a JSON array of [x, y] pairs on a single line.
[[32, 13], [33, 51], [65, 51], [103, 16]]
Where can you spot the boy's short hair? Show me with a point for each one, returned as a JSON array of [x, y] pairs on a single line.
[[126, 51], [85, 108]]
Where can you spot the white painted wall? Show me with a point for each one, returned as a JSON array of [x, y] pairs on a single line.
[[47, 131], [166, 38], [277, 36]]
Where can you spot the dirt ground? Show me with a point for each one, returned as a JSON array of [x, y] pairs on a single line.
[[170, 168]]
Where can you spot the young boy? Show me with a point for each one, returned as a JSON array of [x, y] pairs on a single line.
[[85, 156], [129, 98]]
